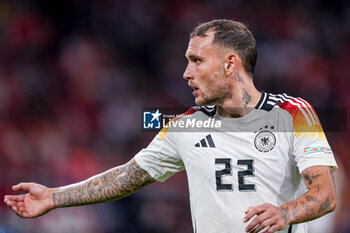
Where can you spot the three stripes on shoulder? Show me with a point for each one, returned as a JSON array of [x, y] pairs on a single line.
[[303, 106]]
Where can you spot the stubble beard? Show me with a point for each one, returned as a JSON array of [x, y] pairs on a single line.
[[215, 96], [207, 100]]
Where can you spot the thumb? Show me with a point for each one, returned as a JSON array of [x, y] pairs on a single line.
[[22, 187]]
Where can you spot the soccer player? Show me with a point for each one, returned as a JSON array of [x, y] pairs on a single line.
[[268, 167]]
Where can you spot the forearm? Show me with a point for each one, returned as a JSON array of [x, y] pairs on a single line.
[[113, 184], [318, 201]]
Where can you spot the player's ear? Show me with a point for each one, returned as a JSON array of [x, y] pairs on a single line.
[[230, 64]]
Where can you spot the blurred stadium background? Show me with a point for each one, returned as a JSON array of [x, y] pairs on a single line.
[[74, 76]]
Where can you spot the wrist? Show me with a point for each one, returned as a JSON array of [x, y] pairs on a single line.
[[285, 213], [52, 202]]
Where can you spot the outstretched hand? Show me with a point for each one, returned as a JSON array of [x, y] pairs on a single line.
[[36, 202]]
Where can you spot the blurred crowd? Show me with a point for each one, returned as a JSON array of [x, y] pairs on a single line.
[[75, 75]]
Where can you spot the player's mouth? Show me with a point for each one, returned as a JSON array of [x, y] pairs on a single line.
[[195, 89]]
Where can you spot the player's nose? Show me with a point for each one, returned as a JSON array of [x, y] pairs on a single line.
[[188, 74]]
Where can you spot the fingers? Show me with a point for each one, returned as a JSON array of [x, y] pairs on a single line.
[[17, 206], [20, 211], [266, 219], [264, 224], [14, 197], [17, 198], [16, 203], [13, 200], [259, 222], [273, 229], [253, 211]]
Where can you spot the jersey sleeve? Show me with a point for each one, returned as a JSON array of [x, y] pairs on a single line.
[[310, 145], [161, 158]]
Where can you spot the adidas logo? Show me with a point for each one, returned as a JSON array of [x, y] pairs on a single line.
[[206, 142]]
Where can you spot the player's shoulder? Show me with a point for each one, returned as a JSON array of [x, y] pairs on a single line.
[[204, 111], [297, 107], [268, 101]]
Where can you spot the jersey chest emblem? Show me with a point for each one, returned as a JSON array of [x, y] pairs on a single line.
[[265, 141]]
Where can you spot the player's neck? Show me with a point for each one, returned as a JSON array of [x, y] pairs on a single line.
[[244, 97]]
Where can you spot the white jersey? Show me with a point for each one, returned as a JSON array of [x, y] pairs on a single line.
[[247, 161]]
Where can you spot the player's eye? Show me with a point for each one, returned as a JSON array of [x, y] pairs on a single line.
[[197, 60], [194, 59]]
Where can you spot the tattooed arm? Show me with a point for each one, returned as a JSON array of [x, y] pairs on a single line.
[[113, 184], [319, 200]]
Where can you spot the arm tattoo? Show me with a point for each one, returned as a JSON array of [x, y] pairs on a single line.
[[246, 98], [285, 213], [324, 206], [309, 212], [113, 184], [317, 201], [309, 178], [310, 198]]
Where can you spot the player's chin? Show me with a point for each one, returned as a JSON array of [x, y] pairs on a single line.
[[202, 103], [199, 101]]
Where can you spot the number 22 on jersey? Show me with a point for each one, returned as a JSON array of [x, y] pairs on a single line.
[[242, 186]]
